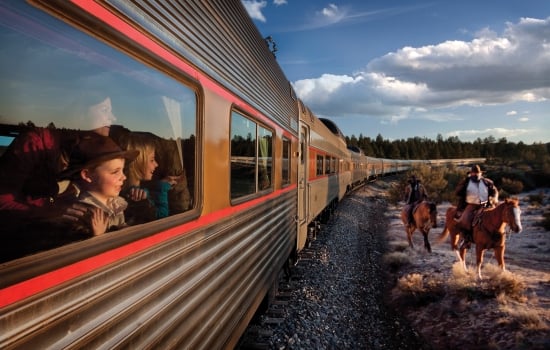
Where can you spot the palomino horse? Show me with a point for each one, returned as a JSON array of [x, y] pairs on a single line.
[[488, 231], [425, 217]]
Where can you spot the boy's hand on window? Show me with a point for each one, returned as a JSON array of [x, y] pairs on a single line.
[[99, 220]]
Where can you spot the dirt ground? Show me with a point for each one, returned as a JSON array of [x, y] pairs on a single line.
[[453, 309]]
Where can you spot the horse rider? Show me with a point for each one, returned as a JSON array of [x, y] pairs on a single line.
[[414, 194], [473, 192]]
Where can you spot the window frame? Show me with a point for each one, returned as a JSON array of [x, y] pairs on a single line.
[[255, 189]]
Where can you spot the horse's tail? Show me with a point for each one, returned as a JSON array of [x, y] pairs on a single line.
[[443, 234], [433, 213]]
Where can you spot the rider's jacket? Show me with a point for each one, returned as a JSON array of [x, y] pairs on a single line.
[[479, 192]]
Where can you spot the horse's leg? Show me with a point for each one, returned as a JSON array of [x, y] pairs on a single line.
[[410, 230], [455, 237], [499, 255], [479, 259], [426, 241], [462, 257]]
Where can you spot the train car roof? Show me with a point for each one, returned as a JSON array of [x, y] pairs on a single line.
[[356, 149], [332, 127]]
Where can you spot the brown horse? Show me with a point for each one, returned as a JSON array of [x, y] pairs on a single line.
[[488, 231], [425, 217]]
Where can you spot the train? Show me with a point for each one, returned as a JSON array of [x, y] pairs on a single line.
[[258, 172]]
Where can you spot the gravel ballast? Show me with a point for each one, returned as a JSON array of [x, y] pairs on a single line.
[[335, 296]]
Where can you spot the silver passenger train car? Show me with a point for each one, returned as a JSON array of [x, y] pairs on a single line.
[[255, 170]]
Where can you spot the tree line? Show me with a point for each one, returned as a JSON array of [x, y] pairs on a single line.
[[452, 147]]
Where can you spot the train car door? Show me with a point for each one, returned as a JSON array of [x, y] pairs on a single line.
[[303, 187]]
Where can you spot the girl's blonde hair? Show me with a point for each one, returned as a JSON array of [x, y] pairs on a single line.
[[145, 144]]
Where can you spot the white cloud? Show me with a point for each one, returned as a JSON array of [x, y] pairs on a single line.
[[511, 113], [279, 2], [490, 69], [254, 9], [523, 119], [332, 12]]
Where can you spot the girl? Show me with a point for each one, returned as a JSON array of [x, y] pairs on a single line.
[[148, 198]]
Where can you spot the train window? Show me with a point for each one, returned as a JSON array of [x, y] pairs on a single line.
[[302, 148], [286, 162], [320, 164], [327, 165], [60, 86], [265, 158], [251, 156]]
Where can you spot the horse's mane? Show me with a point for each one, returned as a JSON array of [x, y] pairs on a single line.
[[514, 200]]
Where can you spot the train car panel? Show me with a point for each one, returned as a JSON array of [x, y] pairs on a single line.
[[121, 305], [196, 277]]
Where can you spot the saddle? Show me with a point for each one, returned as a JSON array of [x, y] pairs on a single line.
[[478, 215]]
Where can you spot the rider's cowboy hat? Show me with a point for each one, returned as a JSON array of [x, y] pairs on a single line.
[[476, 169]]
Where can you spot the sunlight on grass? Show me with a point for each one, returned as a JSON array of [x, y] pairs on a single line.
[[411, 283], [415, 290], [504, 282], [498, 284]]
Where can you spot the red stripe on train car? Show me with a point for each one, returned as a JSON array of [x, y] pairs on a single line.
[[30, 287]]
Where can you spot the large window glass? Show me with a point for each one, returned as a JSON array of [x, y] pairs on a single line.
[[77, 116], [251, 156]]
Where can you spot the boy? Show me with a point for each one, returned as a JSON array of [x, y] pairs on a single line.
[[96, 167]]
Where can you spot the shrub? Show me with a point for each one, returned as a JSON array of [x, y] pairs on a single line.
[[511, 186], [414, 290], [546, 220], [412, 283], [396, 260], [536, 199]]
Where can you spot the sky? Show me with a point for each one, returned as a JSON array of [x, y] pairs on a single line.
[[400, 69]]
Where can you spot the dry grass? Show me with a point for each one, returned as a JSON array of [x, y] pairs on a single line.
[[412, 283], [495, 284], [522, 318], [455, 310], [414, 290]]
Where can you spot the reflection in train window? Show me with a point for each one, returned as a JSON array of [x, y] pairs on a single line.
[[319, 165], [251, 156], [60, 86], [286, 161]]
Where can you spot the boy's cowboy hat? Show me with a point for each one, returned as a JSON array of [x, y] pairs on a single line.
[[93, 149]]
